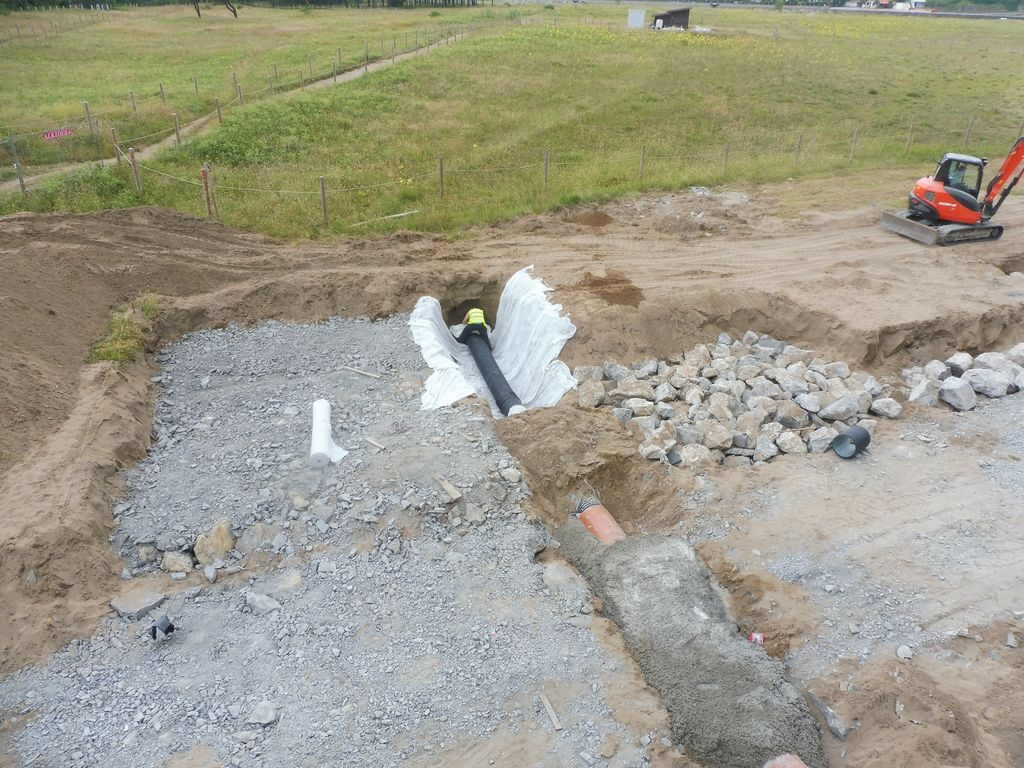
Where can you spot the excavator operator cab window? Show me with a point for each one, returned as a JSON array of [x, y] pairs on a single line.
[[960, 175]]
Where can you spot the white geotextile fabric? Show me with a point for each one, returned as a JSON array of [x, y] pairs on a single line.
[[528, 337]]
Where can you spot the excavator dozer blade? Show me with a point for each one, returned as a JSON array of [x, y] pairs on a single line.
[[915, 230]]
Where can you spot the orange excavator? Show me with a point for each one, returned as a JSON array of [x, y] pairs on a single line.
[[947, 206]]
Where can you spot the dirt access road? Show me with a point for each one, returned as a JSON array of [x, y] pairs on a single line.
[[642, 277]]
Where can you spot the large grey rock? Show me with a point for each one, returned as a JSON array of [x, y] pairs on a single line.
[[988, 382], [616, 371], [820, 440], [136, 603], [790, 442], [264, 714], [762, 387], [215, 544], [646, 424], [694, 456], [584, 373], [261, 604], [257, 536], [886, 406], [645, 368], [622, 414], [792, 383], [717, 435], [176, 562], [1015, 354], [689, 434], [590, 394], [842, 409], [925, 392], [660, 442], [997, 361], [765, 448], [958, 393], [959, 362], [731, 704], [936, 370], [811, 402], [639, 406], [629, 389], [790, 415], [720, 406], [837, 370], [664, 392]]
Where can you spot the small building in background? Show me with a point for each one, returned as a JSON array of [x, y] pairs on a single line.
[[678, 18], [636, 18]]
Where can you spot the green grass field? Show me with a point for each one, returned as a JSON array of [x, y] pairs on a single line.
[[46, 79], [766, 96]]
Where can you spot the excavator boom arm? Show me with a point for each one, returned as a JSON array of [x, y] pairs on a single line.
[[1005, 180]]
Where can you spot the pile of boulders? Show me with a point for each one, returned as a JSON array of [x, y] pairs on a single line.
[[961, 378], [735, 402]]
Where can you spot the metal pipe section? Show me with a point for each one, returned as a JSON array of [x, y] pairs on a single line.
[[507, 400]]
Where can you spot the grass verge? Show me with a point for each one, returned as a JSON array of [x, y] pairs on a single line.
[[126, 332]]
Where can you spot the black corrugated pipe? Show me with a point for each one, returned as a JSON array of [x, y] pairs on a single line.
[[506, 399]]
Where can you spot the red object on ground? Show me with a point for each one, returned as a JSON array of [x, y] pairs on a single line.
[[756, 637], [600, 522]]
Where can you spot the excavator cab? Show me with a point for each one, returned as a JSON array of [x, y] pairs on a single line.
[[962, 173]]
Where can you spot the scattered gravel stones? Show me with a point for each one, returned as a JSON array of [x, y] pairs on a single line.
[[735, 402], [383, 622]]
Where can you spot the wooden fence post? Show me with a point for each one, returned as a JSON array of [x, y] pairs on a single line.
[[440, 173], [910, 137], [334, 72], [135, 171], [643, 161], [216, 100], [309, 63], [853, 144], [113, 138], [547, 165], [131, 98], [88, 117], [323, 200], [394, 42], [340, 62], [277, 77], [270, 84], [177, 129], [302, 81], [799, 146], [17, 163], [366, 57], [195, 83], [967, 136], [238, 93], [204, 174], [234, 80], [725, 162], [163, 95]]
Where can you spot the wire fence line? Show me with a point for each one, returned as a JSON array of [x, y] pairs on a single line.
[[23, 145], [336, 206]]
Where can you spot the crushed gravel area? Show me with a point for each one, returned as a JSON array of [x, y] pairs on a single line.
[[369, 621]]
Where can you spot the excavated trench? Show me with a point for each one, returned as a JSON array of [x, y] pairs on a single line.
[[564, 452]]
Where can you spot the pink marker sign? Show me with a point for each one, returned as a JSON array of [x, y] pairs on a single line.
[[57, 133]]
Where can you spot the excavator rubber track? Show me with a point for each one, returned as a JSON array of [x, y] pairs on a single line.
[[944, 234]]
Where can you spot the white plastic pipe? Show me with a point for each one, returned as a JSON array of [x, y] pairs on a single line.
[[322, 448]]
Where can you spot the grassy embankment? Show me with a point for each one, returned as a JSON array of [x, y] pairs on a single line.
[[762, 84], [48, 78]]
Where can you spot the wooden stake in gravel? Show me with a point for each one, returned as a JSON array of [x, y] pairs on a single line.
[[454, 494], [555, 722]]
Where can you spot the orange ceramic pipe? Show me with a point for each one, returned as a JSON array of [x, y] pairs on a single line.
[[599, 521]]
